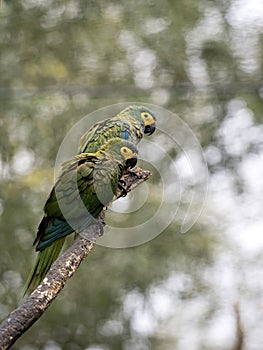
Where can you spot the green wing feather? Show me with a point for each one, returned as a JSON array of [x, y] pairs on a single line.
[[100, 133]]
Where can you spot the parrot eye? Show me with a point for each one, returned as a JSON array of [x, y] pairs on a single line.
[[125, 152], [145, 115]]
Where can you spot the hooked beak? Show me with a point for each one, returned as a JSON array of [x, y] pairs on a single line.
[[150, 129], [130, 163]]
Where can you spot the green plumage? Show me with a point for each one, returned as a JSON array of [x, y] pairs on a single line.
[[87, 183], [130, 124]]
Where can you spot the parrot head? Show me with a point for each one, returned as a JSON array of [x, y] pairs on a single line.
[[129, 155], [124, 150], [149, 121], [144, 115]]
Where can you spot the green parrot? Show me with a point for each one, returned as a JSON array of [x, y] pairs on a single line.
[[86, 184], [130, 124]]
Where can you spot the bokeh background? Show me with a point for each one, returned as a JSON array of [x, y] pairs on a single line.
[[201, 59]]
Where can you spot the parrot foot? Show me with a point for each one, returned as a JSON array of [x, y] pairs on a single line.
[[133, 173], [101, 224], [94, 230], [121, 185]]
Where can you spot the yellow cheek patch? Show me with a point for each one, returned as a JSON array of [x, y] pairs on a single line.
[[147, 118], [127, 153]]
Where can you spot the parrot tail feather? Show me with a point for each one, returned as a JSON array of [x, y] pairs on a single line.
[[42, 265]]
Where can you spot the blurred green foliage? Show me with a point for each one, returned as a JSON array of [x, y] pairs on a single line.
[[60, 60]]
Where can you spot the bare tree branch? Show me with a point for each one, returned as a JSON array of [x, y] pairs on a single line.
[[22, 318], [239, 344]]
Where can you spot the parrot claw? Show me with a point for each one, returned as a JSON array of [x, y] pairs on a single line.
[[121, 185], [101, 227], [132, 172]]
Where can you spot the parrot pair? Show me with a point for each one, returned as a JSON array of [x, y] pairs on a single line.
[[88, 182]]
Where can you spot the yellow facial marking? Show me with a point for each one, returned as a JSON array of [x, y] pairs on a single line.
[[147, 118], [127, 153]]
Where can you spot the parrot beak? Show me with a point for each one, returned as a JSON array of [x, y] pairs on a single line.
[[130, 163], [150, 129]]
